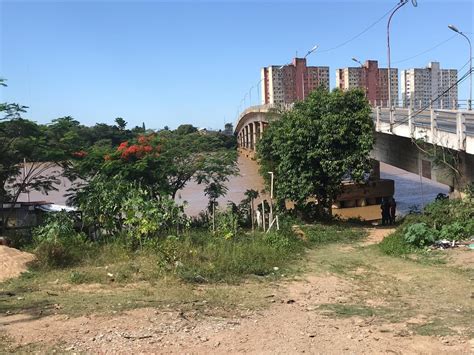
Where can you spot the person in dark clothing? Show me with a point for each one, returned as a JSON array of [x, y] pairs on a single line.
[[385, 208], [393, 210]]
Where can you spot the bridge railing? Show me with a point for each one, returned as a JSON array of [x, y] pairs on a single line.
[[450, 128]]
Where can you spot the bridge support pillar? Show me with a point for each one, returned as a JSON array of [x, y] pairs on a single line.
[[247, 140], [261, 129], [254, 136]]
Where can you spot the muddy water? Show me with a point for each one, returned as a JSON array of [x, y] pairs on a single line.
[[409, 191]]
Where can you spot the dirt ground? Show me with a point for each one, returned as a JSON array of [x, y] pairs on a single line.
[[292, 322], [13, 262]]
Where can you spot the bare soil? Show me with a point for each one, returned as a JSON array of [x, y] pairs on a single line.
[[13, 262], [322, 311]]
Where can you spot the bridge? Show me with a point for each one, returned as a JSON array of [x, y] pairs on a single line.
[[396, 134]]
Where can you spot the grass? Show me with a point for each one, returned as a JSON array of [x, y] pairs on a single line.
[[323, 234], [397, 289], [358, 310], [113, 278], [239, 273]]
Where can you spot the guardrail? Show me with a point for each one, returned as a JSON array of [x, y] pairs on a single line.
[[453, 129]]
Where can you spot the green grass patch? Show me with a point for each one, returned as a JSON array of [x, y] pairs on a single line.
[[322, 234], [436, 327], [395, 245], [337, 310]]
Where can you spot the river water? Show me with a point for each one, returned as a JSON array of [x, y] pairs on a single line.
[[409, 190]]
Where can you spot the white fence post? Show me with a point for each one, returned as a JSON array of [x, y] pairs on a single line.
[[410, 122], [377, 118], [433, 124], [461, 130]]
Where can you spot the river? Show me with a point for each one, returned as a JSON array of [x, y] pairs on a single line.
[[409, 191]]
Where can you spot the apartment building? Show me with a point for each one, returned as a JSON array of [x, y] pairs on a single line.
[[430, 87], [285, 84], [372, 79]]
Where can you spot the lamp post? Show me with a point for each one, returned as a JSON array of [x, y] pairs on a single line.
[[357, 61], [366, 86], [455, 29], [302, 74], [400, 4]]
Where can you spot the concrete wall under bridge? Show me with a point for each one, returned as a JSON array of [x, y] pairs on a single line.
[[402, 153]]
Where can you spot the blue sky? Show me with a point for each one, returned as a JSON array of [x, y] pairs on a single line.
[[168, 63]]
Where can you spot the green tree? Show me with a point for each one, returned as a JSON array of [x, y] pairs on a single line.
[[186, 129], [251, 195], [121, 124], [316, 144], [27, 157]]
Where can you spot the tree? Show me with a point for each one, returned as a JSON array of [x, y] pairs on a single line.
[[214, 175], [162, 162], [186, 129], [121, 124], [27, 156], [316, 144], [251, 195]]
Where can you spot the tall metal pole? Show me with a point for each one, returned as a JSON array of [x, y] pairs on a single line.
[[453, 28], [390, 104]]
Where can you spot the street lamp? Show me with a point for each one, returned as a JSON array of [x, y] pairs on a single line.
[[311, 50], [302, 74], [400, 4], [366, 84], [455, 29], [357, 61]]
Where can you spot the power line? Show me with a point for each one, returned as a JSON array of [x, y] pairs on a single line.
[[425, 51], [407, 118], [360, 33]]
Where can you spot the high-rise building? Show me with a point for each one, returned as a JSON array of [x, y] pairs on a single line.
[[421, 87], [293, 82], [372, 79]]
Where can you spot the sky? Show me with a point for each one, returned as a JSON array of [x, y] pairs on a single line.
[[176, 62]]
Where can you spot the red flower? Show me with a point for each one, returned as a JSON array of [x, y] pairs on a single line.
[[147, 148], [142, 139], [79, 154], [122, 146]]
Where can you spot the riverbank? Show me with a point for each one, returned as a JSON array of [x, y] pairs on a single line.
[[347, 297], [409, 190]]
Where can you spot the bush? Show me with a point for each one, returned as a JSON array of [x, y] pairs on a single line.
[[420, 235], [453, 231], [395, 245], [57, 243], [227, 224], [201, 257]]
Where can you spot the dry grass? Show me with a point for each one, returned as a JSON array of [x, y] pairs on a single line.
[[397, 290]]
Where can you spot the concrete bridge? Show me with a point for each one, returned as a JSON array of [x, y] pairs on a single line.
[[395, 134]]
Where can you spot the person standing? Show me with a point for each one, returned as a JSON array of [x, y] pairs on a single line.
[[393, 210], [385, 209]]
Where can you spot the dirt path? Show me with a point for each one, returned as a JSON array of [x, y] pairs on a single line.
[[376, 235], [293, 322], [13, 262]]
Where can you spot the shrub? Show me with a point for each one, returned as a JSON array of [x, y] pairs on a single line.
[[227, 224], [146, 217], [395, 245], [57, 243], [420, 235], [453, 231], [278, 240]]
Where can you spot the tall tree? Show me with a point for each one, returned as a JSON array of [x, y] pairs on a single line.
[[316, 144]]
